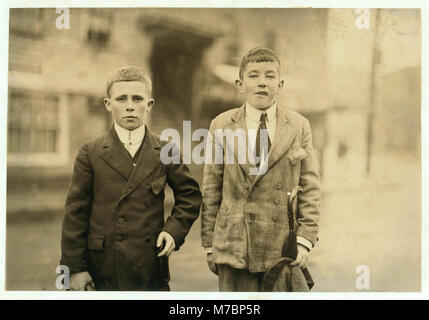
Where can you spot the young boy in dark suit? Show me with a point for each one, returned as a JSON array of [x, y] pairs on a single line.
[[114, 214], [245, 215]]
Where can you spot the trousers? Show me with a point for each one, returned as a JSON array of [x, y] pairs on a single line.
[[238, 280]]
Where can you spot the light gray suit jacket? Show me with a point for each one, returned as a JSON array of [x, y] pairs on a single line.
[[244, 217]]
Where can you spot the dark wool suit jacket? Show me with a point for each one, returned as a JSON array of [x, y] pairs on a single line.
[[114, 212], [244, 218]]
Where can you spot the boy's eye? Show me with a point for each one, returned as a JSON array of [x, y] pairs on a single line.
[[253, 76], [138, 99], [121, 99]]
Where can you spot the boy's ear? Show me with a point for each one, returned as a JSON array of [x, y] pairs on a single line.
[[150, 104], [281, 83], [239, 85], [107, 104]]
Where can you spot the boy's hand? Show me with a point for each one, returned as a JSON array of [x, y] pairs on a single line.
[[81, 281], [167, 242], [301, 258], [212, 265]]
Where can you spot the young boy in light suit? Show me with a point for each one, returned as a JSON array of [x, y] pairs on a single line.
[[114, 214], [244, 216]]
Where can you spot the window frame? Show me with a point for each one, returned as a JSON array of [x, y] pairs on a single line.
[[43, 159], [86, 16], [37, 33]]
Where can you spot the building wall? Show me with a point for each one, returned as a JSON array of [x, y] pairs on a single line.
[[299, 38], [67, 67], [327, 63], [65, 64], [68, 61]]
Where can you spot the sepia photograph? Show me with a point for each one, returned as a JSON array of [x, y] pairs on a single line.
[[214, 149]]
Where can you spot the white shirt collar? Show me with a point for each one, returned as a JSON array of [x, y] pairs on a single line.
[[255, 114], [136, 136]]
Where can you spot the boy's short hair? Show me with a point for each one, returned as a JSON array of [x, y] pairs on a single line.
[[128, 73], [257, 55]]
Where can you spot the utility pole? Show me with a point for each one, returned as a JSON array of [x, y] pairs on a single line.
[[372, 105]]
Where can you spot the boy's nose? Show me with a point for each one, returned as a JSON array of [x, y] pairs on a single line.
[[262, 82], [130, 107]]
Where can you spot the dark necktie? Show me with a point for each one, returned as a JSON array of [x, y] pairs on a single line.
[[262, 132]]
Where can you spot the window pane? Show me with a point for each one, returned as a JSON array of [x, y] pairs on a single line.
[[33, 122], [98, 118], [99, 22], [26, 21]]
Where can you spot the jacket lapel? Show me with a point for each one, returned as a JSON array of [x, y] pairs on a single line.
[[148, 161], [283, 139], [239, 122], [115, 155]]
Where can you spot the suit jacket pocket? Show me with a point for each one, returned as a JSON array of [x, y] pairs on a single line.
[[95, 242], [221, 220], [223, 211], [297, 155], [158, 184]]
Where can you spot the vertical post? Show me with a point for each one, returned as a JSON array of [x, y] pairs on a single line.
[[371, 110]]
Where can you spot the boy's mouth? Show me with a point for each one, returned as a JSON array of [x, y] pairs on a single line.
[[262, 93]]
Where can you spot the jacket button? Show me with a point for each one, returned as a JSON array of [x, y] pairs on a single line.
[[277, 201], [249, 200], [249, 216], [147, 203], [119, 237], [146, 224], [147, 239], [279, 185], [275, 218], [121, 220]]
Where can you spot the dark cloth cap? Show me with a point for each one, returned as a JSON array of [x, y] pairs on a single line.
[[128, 73], [284, 278]]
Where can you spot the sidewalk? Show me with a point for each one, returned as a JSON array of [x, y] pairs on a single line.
[[377, 225]]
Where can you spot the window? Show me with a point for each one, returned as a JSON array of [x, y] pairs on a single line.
[[26, 21], [37, 128], [232, 48], [98, 118], [33, 123], [98, 23]]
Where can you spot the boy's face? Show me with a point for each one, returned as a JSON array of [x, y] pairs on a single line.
[[129, 103], [260, 83]]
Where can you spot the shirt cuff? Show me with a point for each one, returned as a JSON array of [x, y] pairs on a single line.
[[304, 242], [208, 250]]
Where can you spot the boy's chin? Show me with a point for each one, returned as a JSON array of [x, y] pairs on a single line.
[[262, 106], [130, 125], [261, 103]]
